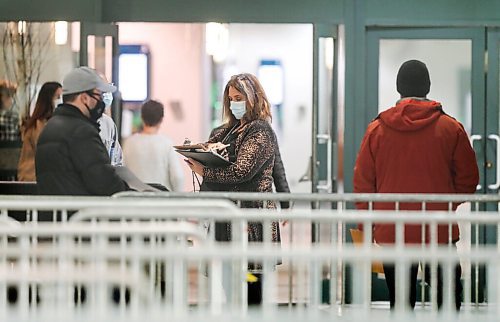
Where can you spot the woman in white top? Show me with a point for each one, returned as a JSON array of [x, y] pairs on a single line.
[[150, 155]]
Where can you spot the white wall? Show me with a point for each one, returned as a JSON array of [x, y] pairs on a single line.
[[176, 71], [176, 75]]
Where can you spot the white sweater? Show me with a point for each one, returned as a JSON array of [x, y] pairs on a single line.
[[152, 159]]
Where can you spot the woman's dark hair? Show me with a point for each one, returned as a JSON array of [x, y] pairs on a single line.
[[152, 113], [44, 106]]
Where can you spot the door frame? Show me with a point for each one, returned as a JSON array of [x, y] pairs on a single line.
[[319, 155], [492, 117]]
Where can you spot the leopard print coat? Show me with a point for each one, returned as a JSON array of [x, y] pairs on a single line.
[[252, 152]]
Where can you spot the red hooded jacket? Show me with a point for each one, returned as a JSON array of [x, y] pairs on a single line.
[[414, 147]]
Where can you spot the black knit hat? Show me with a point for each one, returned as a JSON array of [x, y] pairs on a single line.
[[413, 79]]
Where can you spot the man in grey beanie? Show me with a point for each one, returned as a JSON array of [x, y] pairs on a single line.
[[415, 147], [71, 158]]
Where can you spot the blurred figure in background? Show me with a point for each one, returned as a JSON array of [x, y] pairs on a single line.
[[109, 133], [9, 119], [151, 156], [48, 98], [107, 129]]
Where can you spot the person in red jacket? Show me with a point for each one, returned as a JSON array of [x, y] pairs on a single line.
[[415, 147]]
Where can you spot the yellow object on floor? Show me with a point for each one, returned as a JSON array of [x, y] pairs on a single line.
[[358, 239], [251, 278]]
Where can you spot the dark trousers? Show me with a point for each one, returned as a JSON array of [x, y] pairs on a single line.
[[390, 280], [255, 291]]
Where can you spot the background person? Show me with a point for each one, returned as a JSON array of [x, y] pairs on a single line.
[[109, 133], [150, 155], [9, 119], [48, 98], [70, 157], [415, 147]]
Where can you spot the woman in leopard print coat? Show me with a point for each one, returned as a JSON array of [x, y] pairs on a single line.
[[252, 149]]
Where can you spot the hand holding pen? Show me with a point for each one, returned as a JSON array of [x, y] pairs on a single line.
[[216, 146]]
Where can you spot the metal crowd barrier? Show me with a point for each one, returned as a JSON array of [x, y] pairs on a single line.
[[97, 234], [66, 267], [472, 236], [335, 200]]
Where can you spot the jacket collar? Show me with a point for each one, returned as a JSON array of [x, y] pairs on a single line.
[[414, 98], [411, 114], [70, 110]]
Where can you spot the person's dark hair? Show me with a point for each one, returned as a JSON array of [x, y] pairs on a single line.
[[413, 79], [257, 104], [7, 88], [44, 106], [152, 113]]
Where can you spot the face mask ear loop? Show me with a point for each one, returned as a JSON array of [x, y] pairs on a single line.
[[88, 108], [86, 105]]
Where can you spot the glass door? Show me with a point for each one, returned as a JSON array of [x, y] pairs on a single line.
[[492, 106], [99, 49], [324, 138], [492, 121], [324, 116], [455, 58]]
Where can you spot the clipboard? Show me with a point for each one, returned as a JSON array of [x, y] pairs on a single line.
[[209, 159], [188, 147]]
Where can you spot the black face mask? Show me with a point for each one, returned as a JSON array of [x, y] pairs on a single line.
[[98, 110]]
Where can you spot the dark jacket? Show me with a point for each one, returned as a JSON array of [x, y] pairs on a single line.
[[71, 158], [279, 176], [415, 147]]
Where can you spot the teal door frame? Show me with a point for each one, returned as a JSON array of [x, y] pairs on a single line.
[[99, 30], [322, 164], [488, 234], [323, 157], [492, 118]]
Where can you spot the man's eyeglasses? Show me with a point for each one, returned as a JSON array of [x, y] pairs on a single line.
[[96, 96]]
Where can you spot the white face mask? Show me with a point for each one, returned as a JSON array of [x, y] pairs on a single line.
[[238, 109], [107, 98]]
